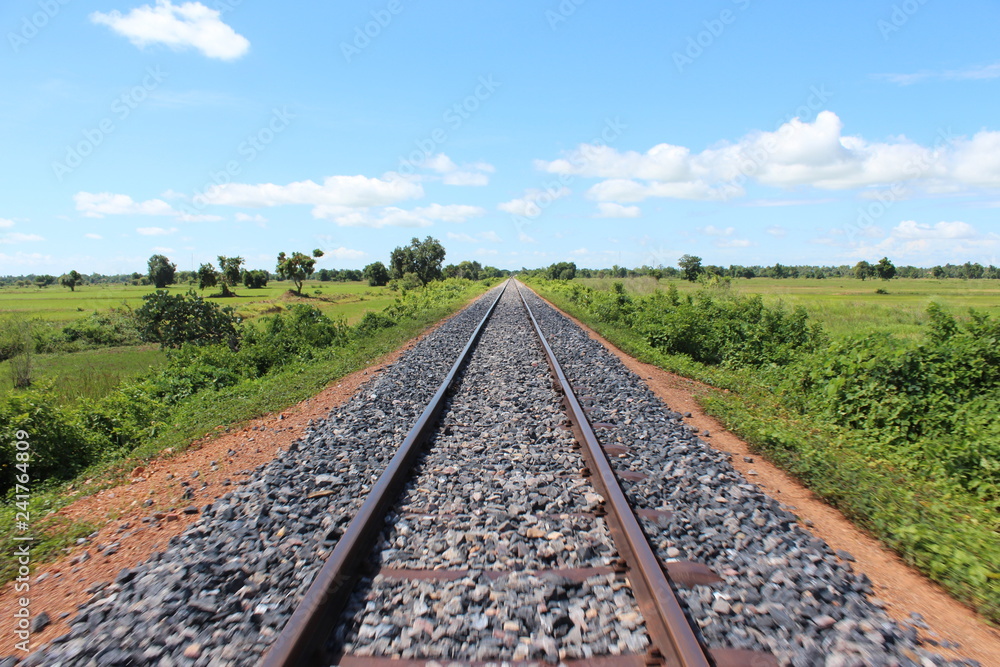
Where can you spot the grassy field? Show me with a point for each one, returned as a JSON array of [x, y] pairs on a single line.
[[59, 305], [846, 306]]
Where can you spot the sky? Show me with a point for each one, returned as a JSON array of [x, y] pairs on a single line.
[[517, 133]]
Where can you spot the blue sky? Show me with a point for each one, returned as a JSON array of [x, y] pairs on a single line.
[[517, 133]]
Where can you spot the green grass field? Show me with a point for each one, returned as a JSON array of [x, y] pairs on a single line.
[[59, 305], [94, 373], [848, 306]]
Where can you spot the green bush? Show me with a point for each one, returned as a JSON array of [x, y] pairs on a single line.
[[175, 319], [116, 327]]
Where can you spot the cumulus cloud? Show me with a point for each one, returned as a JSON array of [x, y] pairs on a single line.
[[100, 204], [343, 253], [243, 217], [533, 201], [335, 192], [979, 73], [5, 223], [815, 154], [712, 230], [776, 230], [611, 210], [489, 237], [910, 229], [475, 174], [95, 237], [927, 243], [182, 26], [392, 216]]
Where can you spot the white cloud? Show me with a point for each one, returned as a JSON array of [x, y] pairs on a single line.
[[96, 237], [733, 243], [26, 259], [776, 230], [343, 253], [156, 231], [187, 25], [5, 223], [813, 154], [533, 201], [18, 237], [607, 209], [336, 193], [489, 237], [910, 229], [163, 250], [98, 205], [392, 216], [463, 237], [452, 174], [243, 217], [969, 74]]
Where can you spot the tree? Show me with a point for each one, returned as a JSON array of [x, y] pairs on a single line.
[[207, 276], [562, 271], [297, 267], [255, 279], [161, 271], [174, 319], [229, 273], [71, 280], [863, 270], [376, 274], [44, 280], [690, 266], [884, 269], [423, 258]]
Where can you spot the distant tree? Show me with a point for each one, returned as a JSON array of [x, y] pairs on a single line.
[[297, 267], [863, 270], [690, 267], [71, 280], [562, 271], [255, 279], [44, 280], [939, 272], [376, 274], [490, 272], [230, 272], [161, 271], [324, 275], [423, 258], [207, 276], [884, 269]]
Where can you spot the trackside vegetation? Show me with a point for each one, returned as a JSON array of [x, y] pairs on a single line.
[[901, 434], [218, 370]]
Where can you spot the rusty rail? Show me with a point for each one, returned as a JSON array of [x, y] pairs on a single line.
[[666, 623], [304, 636]]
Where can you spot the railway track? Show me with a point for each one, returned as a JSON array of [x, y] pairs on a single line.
[[580, 582], [524, 520]]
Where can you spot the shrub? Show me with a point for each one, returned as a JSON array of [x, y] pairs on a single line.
[[173, 320], [116, 327]]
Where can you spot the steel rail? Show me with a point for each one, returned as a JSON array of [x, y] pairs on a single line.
[[666, 623], [304, 636]]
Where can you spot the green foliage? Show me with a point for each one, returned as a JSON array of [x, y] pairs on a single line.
[[256, 279], [562, 271], [230, 271], [60, 444], [297, 267], [160, 271], [114, 327], [207, 276], [71, 280], [175, 319], [376, 274], [421, 258], [690, 267]]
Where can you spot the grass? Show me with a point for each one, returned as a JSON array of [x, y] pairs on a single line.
[[848, 306], [201, 416], [59, 305], [88, 373]]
